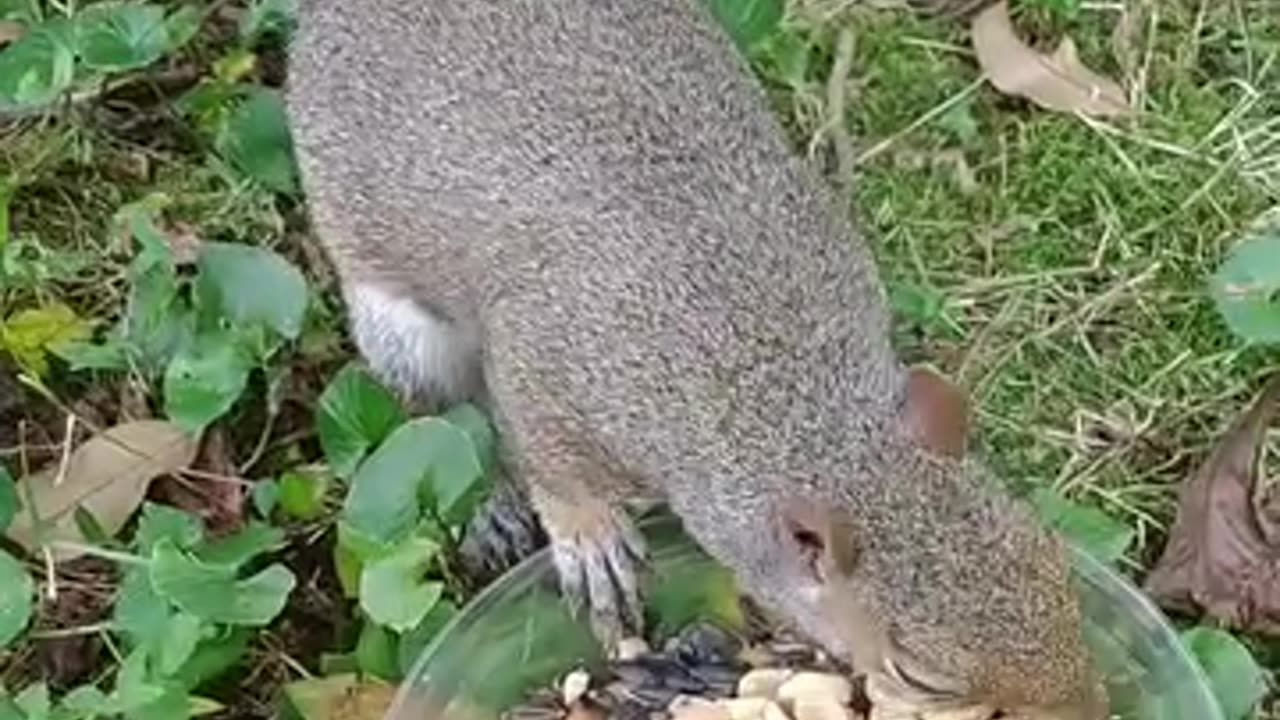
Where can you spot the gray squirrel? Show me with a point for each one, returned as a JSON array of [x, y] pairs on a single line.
[[583, 214]]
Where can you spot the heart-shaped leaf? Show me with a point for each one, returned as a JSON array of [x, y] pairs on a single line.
[[108, 476], [269, 18], [427, 459], [1236, 678], [38, 67], [214, 593], [249, 542], [375, 653], [16, 591], [354, 414], [252, 285], [1245, 288], [256, 140], [161, 522], [182, 633], [393, 589], [204, 380], [1098, 533], [121, 36], [415, 641]]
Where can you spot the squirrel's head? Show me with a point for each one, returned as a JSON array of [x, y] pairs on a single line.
[[945, 592]]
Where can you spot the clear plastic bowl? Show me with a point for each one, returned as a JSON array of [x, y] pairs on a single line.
[[516, 636]]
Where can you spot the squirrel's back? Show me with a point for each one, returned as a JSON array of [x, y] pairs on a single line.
[[608, 167]]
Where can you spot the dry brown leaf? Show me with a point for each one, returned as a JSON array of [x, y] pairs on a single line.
[[339, 697], [1058, 82], [1219, 559], [108, 476], [10, 31], [217, 496]]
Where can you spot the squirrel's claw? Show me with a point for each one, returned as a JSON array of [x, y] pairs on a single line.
[[598, 572], [504, 531]]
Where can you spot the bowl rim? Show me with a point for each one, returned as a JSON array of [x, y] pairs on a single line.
[[535, 568]]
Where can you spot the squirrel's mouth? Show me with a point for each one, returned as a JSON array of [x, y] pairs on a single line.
[[905, 690]]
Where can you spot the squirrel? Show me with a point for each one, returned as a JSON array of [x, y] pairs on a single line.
[[584, 214]]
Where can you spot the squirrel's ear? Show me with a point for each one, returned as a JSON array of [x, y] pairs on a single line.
[[936, 412], [823, 541]]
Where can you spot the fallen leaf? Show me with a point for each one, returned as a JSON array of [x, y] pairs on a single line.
[[10, 31], [1058, 82], [217, 497], [107, 476], [339, 696], [1218, 561]]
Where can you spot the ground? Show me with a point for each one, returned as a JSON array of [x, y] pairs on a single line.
[[1058, 266]]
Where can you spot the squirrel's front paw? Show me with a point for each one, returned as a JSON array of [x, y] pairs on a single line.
[[598, 565]]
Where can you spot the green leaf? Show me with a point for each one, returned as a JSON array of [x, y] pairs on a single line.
[[252, 285], [1245, 289], [133, 690], [214, 656], [415, 641], [213, 592], [39, 66], [27, 12], [747, 21], [139, 612], [235, 550], [34, 700], [256, 140], [80, 355], [302, 494], [30, 335], [265, 18], [394, 590], [182, 25], [204, 380], [16, 590], [9, 504], [347, 566], [182, 633], [121, 36], [428, 458], [85, 701], [162, 522], [157, 320], [354, 414], [376, 652], [265, 495], [1099, 534], [1236, 678]]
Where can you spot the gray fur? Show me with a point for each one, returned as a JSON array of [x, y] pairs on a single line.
[[666, 303]]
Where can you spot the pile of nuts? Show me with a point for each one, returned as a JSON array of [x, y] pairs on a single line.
[[702, 674], [775, 694]]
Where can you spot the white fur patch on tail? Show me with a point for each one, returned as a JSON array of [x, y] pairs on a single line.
[[409, 347]]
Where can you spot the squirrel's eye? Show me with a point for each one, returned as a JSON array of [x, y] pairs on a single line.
[[807, 540]]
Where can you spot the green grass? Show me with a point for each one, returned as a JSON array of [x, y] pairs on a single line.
[[1065, 262], [1073, 255]]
